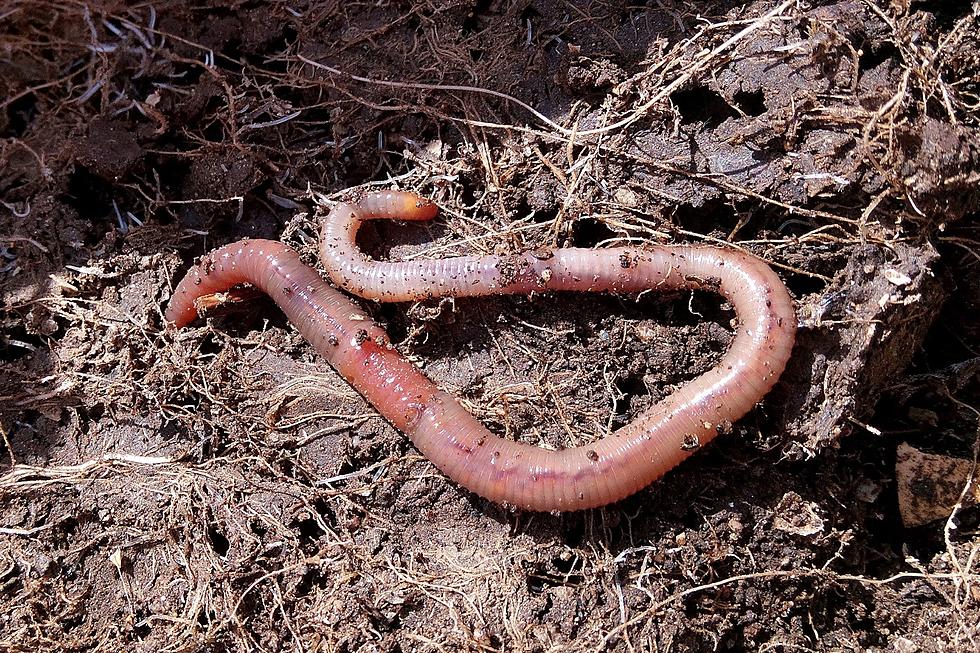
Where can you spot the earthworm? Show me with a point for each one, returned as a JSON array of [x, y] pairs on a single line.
[[502, 470]]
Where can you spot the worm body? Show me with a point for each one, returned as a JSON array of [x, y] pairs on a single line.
[[503, 470]]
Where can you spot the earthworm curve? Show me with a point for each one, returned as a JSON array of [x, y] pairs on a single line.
[[502, 470]]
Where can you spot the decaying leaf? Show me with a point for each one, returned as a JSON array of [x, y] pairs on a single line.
[[930, 485]]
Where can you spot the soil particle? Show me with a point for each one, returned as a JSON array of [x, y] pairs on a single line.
[[875, 323], [110, 149], [221, 173], [939, 169]]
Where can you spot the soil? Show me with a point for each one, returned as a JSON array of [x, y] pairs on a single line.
[[221, 489]]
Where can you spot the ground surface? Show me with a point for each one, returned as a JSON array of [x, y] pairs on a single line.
[[221, 489]]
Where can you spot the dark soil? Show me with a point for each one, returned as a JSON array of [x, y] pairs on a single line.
[[221, 489]]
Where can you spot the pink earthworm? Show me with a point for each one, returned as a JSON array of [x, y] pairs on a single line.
[[502, 470]]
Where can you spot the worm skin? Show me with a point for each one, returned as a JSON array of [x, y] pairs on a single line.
[[502, 470]]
